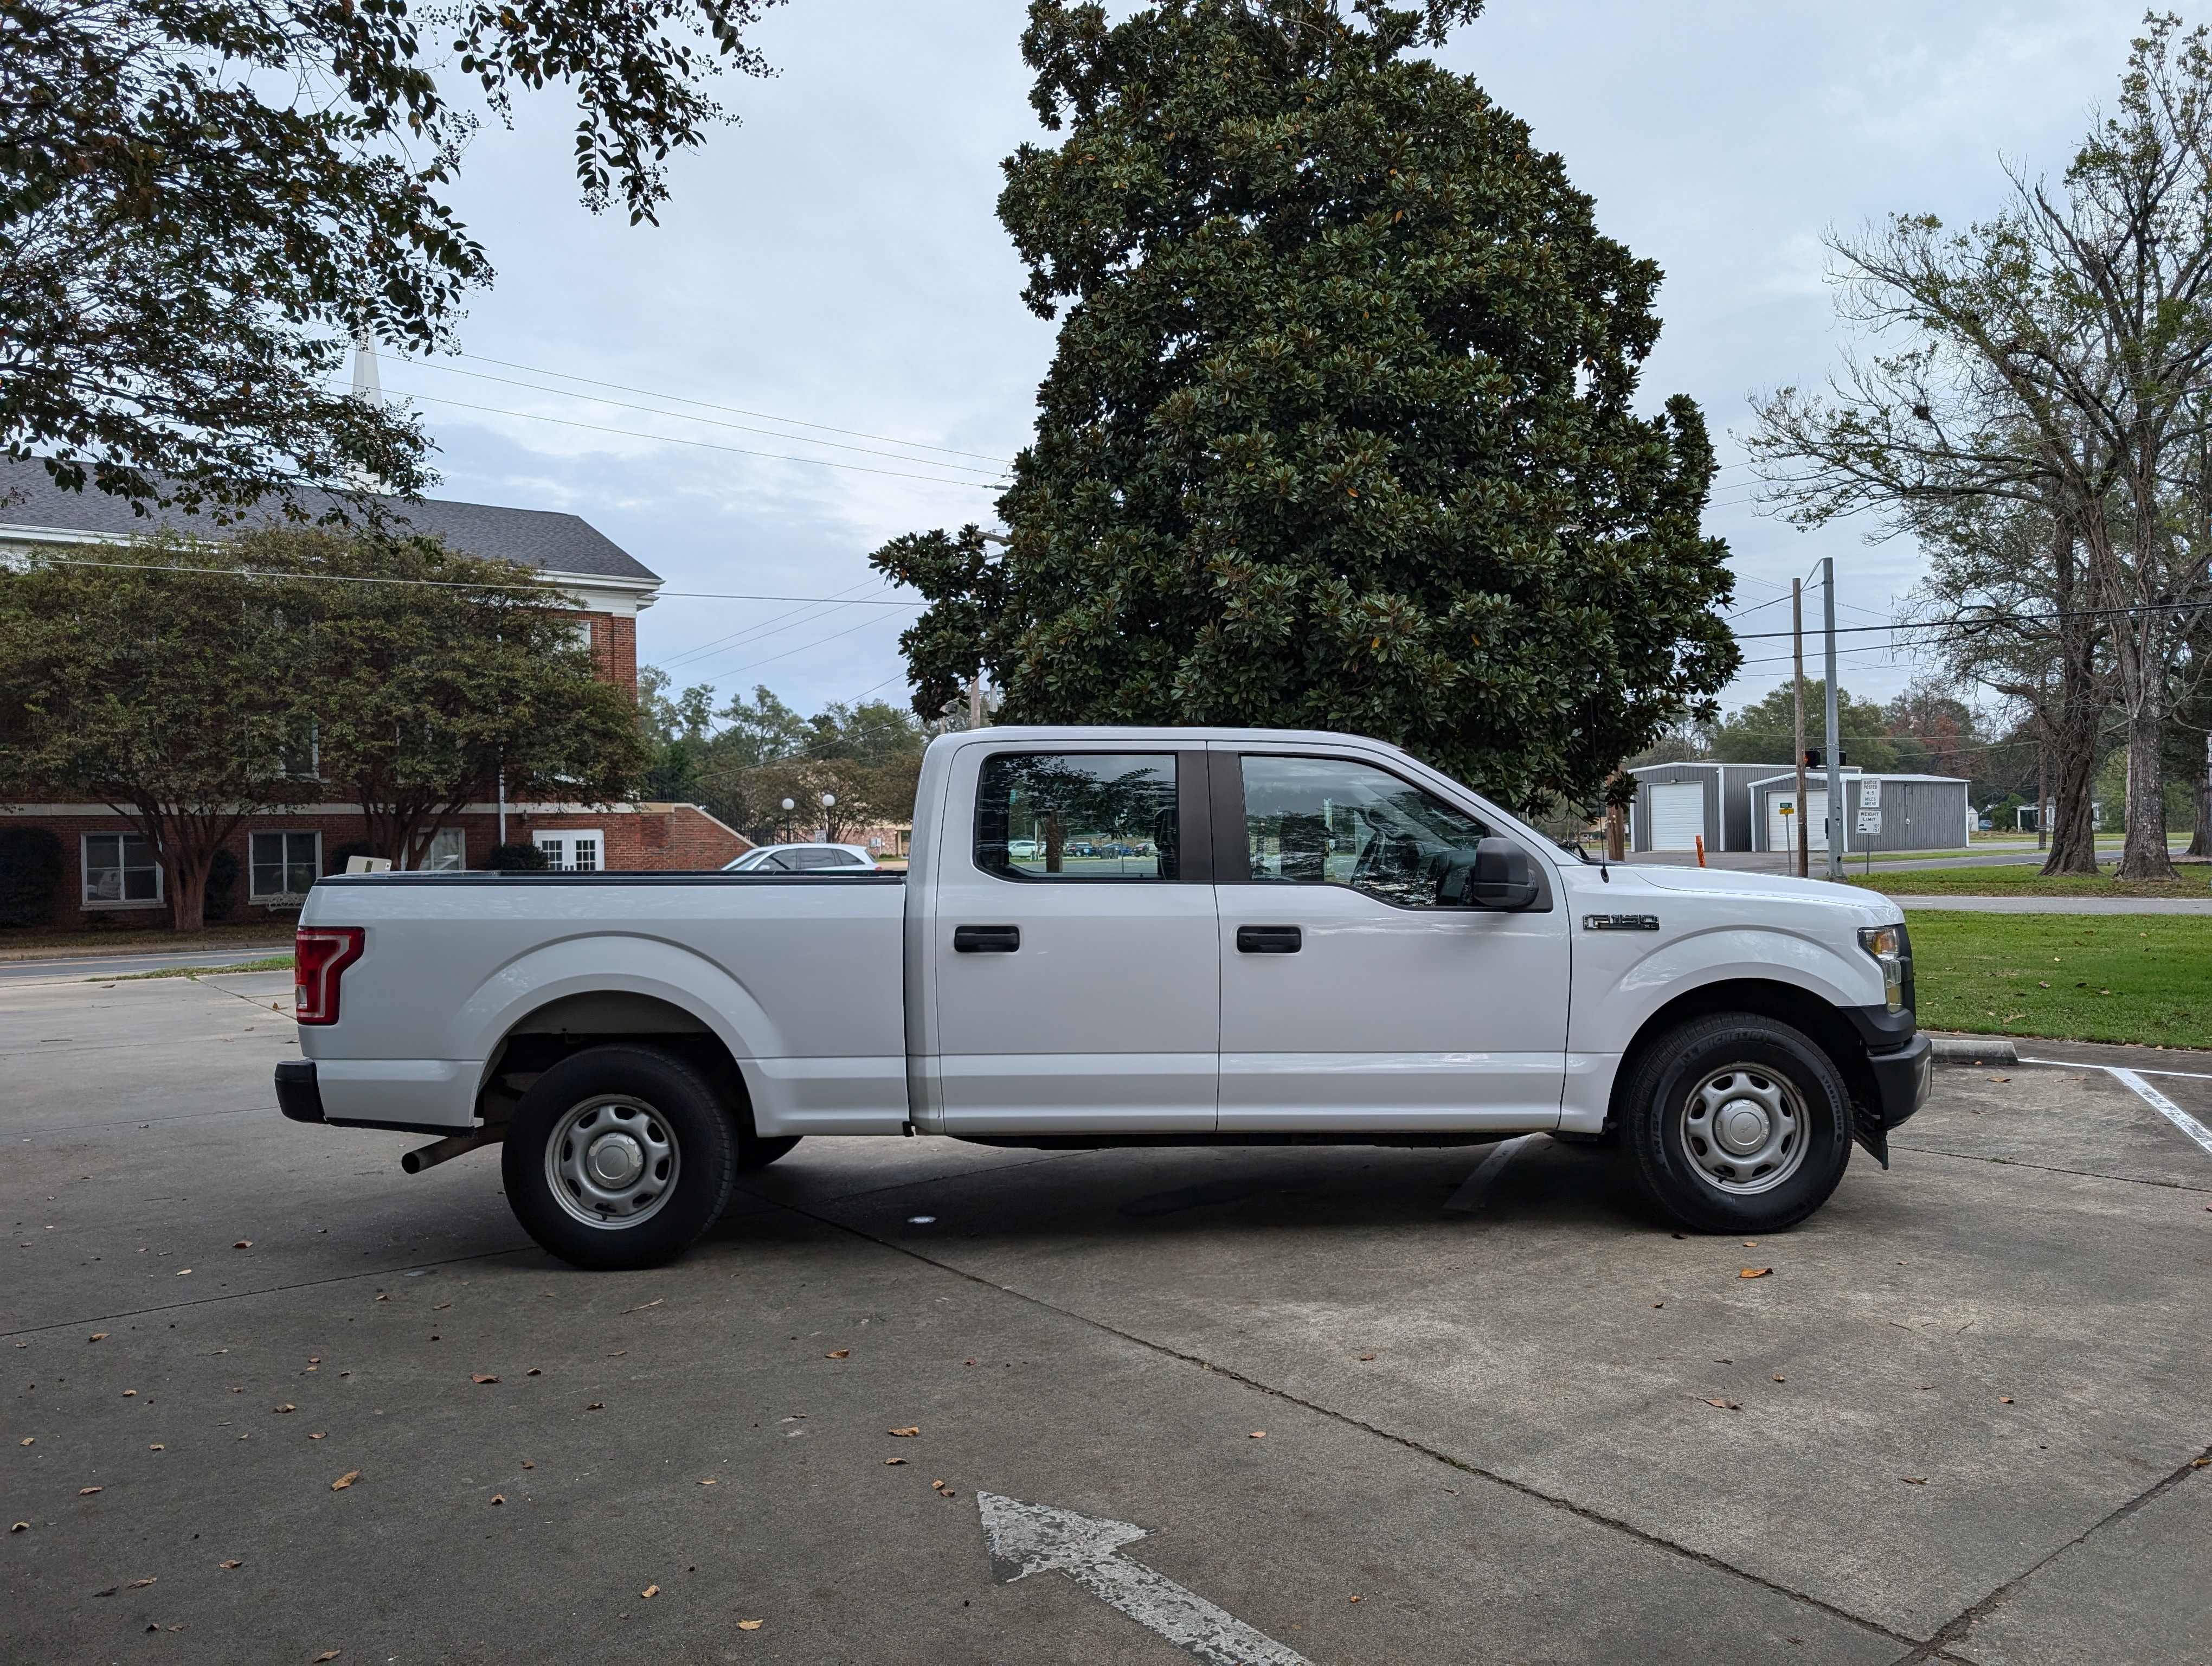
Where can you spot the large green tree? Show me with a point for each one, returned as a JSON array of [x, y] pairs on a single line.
[[170, 695], [1341, 429], [434, 679], [202, 203]]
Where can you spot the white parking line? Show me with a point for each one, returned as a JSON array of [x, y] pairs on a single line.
[[2149, 1095]]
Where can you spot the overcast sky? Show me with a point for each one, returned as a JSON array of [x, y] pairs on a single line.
[[834, 261]]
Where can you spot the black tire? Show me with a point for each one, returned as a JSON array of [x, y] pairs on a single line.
[[756, 1154], [1699, 1088], [579, 1112]]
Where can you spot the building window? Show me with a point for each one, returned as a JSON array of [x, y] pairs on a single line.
[[573, 851], [448, 851], [284, 866], [120, 871]]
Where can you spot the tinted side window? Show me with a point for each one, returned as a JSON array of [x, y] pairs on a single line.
[[1333, 821], [1077, 816]]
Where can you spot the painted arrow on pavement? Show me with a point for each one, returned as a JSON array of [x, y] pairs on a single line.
[[1031, 1538]]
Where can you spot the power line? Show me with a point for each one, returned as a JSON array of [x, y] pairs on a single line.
[[709, 445], [735, 411], [650, 410]]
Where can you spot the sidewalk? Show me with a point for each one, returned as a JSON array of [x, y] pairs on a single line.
[[2058, 904]]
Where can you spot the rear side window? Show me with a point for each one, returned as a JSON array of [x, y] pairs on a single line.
[[1333, 821], [1078, 816]]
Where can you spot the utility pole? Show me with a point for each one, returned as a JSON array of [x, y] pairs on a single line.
[[1797, 645], [1835, 758]]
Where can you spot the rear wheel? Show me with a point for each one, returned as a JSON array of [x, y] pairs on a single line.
[[1737, 1123], [619, 1157]]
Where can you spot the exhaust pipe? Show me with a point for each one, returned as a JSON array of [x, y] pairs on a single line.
[[428, 1157]]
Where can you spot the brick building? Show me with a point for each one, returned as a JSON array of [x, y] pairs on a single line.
[[110, 876]]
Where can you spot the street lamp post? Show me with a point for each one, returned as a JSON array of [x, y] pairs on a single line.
[[829, 803], [789, 805]]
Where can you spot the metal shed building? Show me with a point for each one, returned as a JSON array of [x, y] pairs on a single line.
[[1677, 803], [1880, 812]]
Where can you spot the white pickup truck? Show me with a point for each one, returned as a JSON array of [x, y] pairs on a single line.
[[1108, 937]]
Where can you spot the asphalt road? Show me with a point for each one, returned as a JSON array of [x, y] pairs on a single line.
[[1959, 1420]]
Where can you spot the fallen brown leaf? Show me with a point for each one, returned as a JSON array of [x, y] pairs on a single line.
[[842, 1354], [894, 1459], [318, 1434], [2005, 1400], [1658, 1304], [243, 1243], [1914, 1481], [533, 1372], [1257, 1434], [1754, 1273], [1726, 1405], [97, 1336], [26, 1440], [1354, 1599], [345, 1481], [288, 1408], [481, 1378], [156, 1447], [2007, 1078], [642, 1306], [499, 1498], [1366, 1356], [710, 1482], [650, 1591], [1779, 1377], [530, 1466], [20, 1527], [234, 1563], [141, 1584], [902, 1434], [327, 1654], [750, 1625], [597, 1406], [86, 1492], [384, 1298]]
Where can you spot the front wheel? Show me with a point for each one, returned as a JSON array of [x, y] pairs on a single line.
[[1737, 1123], [619, 1157]]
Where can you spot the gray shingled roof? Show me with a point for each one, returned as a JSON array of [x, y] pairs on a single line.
[[535, 537]]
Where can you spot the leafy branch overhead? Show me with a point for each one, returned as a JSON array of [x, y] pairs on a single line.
[[201, 205], [1340, 429]]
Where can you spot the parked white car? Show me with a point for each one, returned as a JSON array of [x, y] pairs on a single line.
[[802, 859], [1313, 938]]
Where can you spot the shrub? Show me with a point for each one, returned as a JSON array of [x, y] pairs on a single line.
[[516, 859]]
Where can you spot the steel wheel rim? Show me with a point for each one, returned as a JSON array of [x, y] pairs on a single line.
[[1743, 1128], [613, 1162]]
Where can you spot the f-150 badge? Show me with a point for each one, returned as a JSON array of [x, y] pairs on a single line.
[[1621, 923]]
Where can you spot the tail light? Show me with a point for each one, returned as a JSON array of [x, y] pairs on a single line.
[[319, 955]]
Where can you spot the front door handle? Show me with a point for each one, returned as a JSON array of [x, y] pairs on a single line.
[[985, 940], [1269, 939]]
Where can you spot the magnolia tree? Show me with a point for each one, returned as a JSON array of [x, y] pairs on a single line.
[[1340, 431]]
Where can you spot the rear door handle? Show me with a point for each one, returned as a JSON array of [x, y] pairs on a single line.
[[1268, 940], [985, 940]]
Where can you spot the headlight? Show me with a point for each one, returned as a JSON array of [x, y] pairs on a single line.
[[1892, 951]]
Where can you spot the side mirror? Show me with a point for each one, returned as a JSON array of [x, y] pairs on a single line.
[[1495, 874]]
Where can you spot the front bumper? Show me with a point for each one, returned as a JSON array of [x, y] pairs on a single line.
[[1901, 1079]]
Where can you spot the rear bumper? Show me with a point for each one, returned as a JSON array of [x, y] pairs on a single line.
[[298, 1095], [1901, 1079]]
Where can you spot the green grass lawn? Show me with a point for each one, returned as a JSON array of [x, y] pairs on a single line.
[[2027, 881], [2079, 977]]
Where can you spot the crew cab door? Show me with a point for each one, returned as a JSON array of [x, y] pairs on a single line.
[[1077, 974], [1352, 997]]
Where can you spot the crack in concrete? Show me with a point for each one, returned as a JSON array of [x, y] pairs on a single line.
[[2048, 1167]]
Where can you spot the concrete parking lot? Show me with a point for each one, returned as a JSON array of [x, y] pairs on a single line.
[[1963, 1417]]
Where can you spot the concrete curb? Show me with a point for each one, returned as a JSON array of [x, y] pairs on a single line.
[[1974, 1049]]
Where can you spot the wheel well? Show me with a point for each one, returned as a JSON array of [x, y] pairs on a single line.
[[565, 1027], [1826, 1027]]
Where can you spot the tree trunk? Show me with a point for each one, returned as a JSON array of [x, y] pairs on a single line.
[[2070, 730], [2144, 855]]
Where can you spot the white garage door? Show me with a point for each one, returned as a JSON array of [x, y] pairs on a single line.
[[1678, 815], [1781, 832]]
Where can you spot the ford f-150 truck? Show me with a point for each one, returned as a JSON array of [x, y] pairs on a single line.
[[1107, 937]]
